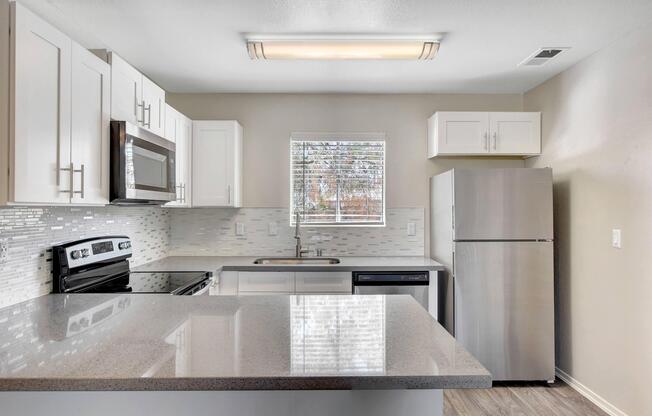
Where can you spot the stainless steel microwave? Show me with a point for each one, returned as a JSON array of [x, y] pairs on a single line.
[[142, 166]]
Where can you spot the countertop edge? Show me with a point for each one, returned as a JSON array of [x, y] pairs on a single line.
[[247, 384], [324, 268], [218, 264]]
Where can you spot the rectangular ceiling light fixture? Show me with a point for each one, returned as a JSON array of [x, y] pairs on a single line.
[[343, 48]]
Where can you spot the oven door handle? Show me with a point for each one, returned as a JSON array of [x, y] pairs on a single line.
[[204, 290]]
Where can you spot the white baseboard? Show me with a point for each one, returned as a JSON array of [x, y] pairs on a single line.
[[589, 394]]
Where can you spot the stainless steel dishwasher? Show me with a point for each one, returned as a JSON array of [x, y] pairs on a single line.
[[414, 283]]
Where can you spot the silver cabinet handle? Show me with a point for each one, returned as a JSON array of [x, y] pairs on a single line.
[[83, 180], [142, 112], [495, 140], [70, 169], [183, 194], [486, 141], [149, 116], [228, 191]]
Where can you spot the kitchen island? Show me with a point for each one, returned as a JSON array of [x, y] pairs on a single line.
[[227, 355]]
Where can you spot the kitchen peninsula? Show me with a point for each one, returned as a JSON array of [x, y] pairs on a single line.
[[298, 355]]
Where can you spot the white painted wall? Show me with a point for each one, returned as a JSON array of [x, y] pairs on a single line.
[[268, 120], [597, 137]]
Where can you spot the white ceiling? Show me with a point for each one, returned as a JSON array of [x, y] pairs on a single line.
[[197, 45]]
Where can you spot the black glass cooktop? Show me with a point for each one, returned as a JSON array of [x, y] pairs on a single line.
[[164, 282]]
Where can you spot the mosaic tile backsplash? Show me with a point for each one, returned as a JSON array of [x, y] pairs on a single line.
[[29, 232], [209, 231]]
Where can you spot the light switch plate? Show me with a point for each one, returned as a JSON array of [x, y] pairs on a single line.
[[616, 238], [411, 228], [272, 228], [239, 228]]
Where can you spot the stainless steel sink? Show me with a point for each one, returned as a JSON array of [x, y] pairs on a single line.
[[297, 260]]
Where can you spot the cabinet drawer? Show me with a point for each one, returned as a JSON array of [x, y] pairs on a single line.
[[266, 282], [323, 282]]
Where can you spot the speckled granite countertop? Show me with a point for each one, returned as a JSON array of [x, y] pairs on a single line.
[[163, 342], [218, 263]]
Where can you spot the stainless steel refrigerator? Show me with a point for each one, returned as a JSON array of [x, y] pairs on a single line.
[[493, 230]]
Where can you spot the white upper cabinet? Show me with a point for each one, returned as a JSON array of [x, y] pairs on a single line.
[[135, 98], [458, 133], [89, 144], [126, 91], [58, 135], [154, 103], [178, 129], [217, 164], [171, 117], [515, 133], [475, 133], [40, 129]]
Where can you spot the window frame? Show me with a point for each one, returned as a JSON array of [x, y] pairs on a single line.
[[340, 137]]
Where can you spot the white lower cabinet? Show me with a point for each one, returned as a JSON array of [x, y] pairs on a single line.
[[323, 282], [278, 282], [282, 283]]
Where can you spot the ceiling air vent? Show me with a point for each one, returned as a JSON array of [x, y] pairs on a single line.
[[541, 56]]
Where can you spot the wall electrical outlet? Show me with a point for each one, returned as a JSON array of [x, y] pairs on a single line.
[[411, 228], [4, 251], [616, 238], [239, 228], [272, 228]]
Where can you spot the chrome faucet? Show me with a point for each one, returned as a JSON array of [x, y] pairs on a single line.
[[299, 252]]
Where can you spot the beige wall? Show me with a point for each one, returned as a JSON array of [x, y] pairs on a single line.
[[597, 137], [268, 120]]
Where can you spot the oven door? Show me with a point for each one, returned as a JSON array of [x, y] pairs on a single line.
[[142, 166]]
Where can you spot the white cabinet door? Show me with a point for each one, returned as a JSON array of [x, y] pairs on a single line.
[[216, 163], [154, 101], [323, 282], [40, 89], [276, 282], [179, 129], [126, 91], [458, 133], [184, 157], [515, 133], [90, 127], [171, 117]]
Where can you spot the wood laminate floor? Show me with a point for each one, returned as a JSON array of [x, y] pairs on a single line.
[[519, 399]]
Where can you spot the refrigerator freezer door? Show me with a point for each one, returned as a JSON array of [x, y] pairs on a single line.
[[503, 204], [504, 307]]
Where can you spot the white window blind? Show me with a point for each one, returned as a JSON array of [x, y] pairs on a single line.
[[338, 180]]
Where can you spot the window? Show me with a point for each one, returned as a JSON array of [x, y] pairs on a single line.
[[338, 179]]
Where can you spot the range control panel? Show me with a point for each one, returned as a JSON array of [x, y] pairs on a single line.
[[97, 250]]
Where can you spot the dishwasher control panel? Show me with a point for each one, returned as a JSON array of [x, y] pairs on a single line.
[[412, 278]]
